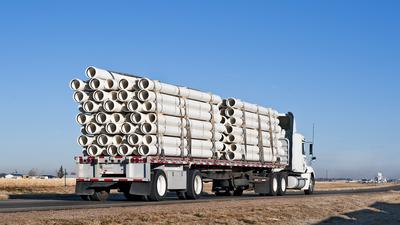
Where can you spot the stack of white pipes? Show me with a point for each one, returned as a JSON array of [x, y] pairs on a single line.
[[252, 132], [126, 115]]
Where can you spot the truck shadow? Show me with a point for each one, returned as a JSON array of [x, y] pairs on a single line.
[[377, 213]]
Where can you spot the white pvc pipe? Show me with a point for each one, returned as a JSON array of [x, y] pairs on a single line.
[[104, 140], [134, 106], [112, 150], [137, 117], [126, 96], [103, 118], [85, 140], [95, 150], [134, 139], [81, 96], [128, 85], [101, 96], [78, 85], [94, 128], [125, 150], [128, 128], [149, 96], [94, 72], [231, 156], [91, 106], [113, 128], [147, 84], [83, 119], [146, 150], [113, 106]]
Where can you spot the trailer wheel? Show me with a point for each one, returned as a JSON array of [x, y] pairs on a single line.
[[194, 185], [158, 186], [100, 195], [310, 190], [273, 184], [282, 184]]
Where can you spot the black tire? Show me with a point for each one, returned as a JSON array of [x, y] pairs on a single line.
[[100, 195], [282, 184], [273, 184], [310, 190], [238, 192], [157, 194], [85, 197], [181, 195], [194, 184], [131, 197]]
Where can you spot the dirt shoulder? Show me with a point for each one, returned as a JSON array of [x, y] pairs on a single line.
[[376, 208]]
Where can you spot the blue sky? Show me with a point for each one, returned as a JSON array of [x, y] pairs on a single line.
[[332, 63]]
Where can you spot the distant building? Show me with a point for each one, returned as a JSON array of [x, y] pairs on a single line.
[[13, 176]]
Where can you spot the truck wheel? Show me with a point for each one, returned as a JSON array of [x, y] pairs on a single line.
[[158, 186], [273, 184], [282, 184], [310, 190], [100, 195], [194, 185]]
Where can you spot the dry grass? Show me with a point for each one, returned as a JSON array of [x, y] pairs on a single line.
[[342, 185], [288, 211], [23, 186]]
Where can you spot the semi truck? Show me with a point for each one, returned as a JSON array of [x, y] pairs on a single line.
[[152, 177]]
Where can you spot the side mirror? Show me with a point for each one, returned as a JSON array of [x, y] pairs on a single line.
[[311, 149]]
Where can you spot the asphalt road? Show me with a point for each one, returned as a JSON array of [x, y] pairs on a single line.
[[36, 202]]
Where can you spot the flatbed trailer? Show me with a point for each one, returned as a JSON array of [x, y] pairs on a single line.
[[151, 177]]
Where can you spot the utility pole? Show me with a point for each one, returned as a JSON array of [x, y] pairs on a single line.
[[326, 174]]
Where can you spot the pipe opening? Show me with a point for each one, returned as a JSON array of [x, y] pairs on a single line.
[[118, 139], [123, 95], [133, 105], [102, 139], [98, 96], [91, 71], [109, 83], [111, 128], [144, 83], [149, 139], [152, 117], [124, 83], [148, 106], [109, 105], [231, 102], [144, 95], [95, 83], [234, 147], [83, 140], [112, 150], [117, 117], [229, 129], [101, 117], [81, 119], [124, 149], [136, 117], [75, 84], [144, 150], [134, 139], [147, 127]]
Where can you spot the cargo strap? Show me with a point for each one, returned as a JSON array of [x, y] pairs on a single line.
[[159, 144], [271, 137], [244, 154], [260, 137], [188, 130]]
